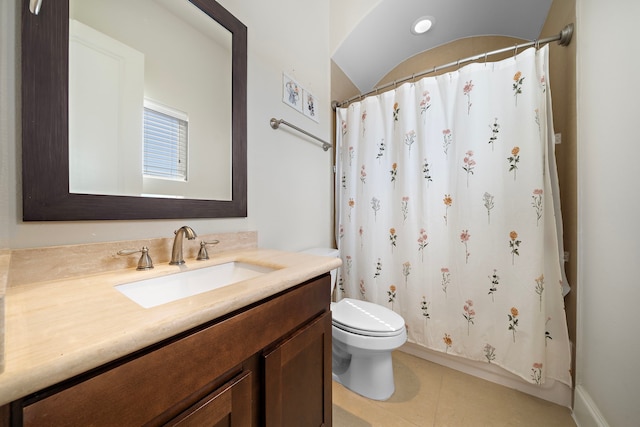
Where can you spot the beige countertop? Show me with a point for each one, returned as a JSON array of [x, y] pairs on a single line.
[[57, 329]]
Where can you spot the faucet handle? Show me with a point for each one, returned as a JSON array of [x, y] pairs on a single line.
[[202, 253], [144, 263]]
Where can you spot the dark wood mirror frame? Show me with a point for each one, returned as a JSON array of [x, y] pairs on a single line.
[[45, 149]]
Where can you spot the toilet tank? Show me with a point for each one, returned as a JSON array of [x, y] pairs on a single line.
[[326, 252]]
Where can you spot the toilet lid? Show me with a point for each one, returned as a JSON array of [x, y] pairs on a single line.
[[365, 318]]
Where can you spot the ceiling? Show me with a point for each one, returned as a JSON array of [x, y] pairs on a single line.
[[383, 39]]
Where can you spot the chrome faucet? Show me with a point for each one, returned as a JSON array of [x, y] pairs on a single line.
[[176, 253]]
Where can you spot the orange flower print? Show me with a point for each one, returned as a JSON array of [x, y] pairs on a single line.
[[392, 295], [352, 204], [513, 161], [447, 204], [396, 112], [394, 173], [514, 244], [392, 238], [448, 342], [513, 321], [517, 85]]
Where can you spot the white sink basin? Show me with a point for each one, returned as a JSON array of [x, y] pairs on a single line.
[[161, 290]]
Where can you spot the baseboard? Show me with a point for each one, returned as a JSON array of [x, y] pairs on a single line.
[[556, 392], [585, 411]]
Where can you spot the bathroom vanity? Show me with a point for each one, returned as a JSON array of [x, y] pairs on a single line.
[[259, 354]]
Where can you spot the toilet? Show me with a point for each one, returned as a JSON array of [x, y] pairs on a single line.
[[364, 335]]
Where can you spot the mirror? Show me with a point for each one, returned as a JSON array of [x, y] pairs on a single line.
[[59, 183]]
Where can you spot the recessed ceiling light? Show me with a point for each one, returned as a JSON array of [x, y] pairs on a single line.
[[422, 25]]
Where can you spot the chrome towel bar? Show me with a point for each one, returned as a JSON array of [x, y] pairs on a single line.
[[275, 124]]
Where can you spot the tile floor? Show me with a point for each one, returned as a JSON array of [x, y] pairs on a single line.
[[428, 394]]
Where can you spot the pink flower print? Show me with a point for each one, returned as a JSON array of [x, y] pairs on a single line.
[[404, 206], [537, 204], [352, 155], [464, 239], [343, 127], [446, 134], [425, 104], [422, 242], [361, 233], [467, 92], [363, 176], [341, 232], [536, 373], [468, 314], [468, 164], [543, 83], [364, 117], [446, 279], [517, 85]]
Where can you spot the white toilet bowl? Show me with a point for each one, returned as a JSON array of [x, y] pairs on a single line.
[[364, 335]]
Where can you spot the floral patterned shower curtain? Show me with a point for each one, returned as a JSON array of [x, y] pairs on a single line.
[[446, 214]]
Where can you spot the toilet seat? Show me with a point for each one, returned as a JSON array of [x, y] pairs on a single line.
[[365, 318]]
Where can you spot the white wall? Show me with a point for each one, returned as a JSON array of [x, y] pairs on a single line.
[[608, 343], [290, 179]]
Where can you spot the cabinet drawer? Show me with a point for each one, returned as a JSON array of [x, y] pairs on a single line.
[[164, 381], [229, 406]]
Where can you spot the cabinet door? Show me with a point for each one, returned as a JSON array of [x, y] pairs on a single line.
[[230, 406], [298, 378]]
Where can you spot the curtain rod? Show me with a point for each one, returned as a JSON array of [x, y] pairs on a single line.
[[564, 38], [275, 124]]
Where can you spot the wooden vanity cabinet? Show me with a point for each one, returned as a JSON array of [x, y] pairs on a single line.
[[267, 364]]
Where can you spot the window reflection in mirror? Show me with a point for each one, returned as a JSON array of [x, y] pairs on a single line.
[[168, 52]]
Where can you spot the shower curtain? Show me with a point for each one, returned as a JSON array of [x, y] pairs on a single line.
[[446, 214]]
